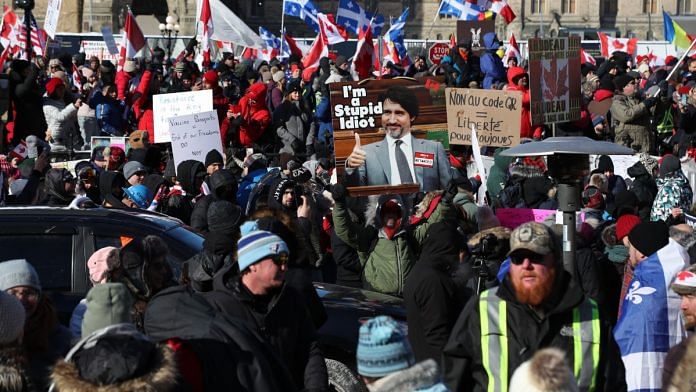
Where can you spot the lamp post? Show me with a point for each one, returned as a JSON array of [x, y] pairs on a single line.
[[171, 27]]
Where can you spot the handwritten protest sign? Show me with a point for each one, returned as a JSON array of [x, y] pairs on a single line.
[[513, 217], [109, 40], [495, 114], [97, 49], [554, 79], [194, 135], [52, 15], [165, 106]]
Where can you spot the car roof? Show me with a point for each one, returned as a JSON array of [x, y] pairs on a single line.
[[164, 221]]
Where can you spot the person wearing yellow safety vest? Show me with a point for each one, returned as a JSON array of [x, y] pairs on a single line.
[[537, 305]]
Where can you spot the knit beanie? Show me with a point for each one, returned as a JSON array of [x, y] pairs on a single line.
[[278, 76], [669, 165], [211, 77], [622, 81], [547, 371], [102, 262], [107, 304], [258, 245], [383, 347], [280, 187], [213, 156], [592, 198], [132, 167], [649, 237], [685, 281], [605, 164], [223, 216], [18, 272], [625, 224], [12, 317]]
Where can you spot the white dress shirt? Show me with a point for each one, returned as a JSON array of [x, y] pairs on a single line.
[[407, 148]]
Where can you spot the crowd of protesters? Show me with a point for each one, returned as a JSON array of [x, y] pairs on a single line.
[[488, 308]]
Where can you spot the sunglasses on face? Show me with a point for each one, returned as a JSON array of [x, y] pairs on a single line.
[[280, 260], [519, 258]]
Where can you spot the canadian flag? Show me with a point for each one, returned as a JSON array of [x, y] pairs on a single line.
[[20, 151], [334, 34], [133, 39], [650, 58], [502, 8], [77, 77], [364, 53], [513, 50], [292, 45], [225, 46], [319, 49], [587, 58], [8, 30], [452, 41], [207, 20], [610, 45]]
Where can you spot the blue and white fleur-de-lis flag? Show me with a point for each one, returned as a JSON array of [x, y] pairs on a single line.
[[651, 321]]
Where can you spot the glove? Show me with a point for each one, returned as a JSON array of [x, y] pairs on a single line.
[[650, 102], [338, 193], [450, 192]]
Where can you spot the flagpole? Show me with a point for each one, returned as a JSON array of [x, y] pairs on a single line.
[[676, 66], [282, 30], [434, 20]]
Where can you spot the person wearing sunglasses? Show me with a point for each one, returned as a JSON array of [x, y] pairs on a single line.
[[632, 115], [537, 305], [254, 290]]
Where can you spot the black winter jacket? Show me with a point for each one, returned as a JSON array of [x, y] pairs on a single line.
[[283, 322], [644, 187], [430, 294], [527, 333]]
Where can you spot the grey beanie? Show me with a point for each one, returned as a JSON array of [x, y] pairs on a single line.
[[18, 272], [107, 304], [11, 318], [132, 167]]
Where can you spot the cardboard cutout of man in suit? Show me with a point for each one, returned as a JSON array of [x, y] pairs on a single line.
[[399, 158]]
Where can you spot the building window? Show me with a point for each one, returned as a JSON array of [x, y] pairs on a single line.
[[568, 6], [538, 6], [610, 7], [649, 6], [257, 8], [683, 7]]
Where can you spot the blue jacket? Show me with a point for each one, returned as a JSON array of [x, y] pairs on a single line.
[[247, 185], [109, 113], [491, 65], [323, 116]]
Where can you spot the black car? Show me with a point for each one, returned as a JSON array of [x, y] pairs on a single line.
[[58, 242]]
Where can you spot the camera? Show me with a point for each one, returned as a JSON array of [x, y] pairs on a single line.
[[482, 254]]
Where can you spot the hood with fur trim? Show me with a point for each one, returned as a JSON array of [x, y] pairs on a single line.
[[137, 364], [422, 375]]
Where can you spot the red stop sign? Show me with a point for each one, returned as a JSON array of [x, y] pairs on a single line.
[[437, 52]]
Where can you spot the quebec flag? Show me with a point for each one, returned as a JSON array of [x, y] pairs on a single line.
[[651, 322]]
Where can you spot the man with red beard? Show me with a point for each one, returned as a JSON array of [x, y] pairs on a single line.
[[537, 305]]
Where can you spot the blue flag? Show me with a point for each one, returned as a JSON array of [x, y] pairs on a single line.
[[353, 17], [268, 38], [395, 35], [303, 9], [651, 321], [461, 9]]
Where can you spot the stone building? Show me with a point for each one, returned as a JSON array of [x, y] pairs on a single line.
[[639, 18]]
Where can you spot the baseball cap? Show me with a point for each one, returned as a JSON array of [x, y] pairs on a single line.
[[533, 237]]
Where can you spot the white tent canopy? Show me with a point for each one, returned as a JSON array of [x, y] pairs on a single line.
[[229, 27]]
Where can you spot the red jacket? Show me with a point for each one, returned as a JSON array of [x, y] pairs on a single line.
[[255, 116], [527, 130], [142, 104]]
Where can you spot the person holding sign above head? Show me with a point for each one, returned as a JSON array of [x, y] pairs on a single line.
[[399, 158]]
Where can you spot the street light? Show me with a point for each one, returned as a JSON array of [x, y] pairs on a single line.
[[171, 27]]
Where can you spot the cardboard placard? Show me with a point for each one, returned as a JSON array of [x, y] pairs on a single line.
[[473, 31], [52, 15], [554, 79], [165, 106], [599, 108], [513, 217], [494, 113], [194, 135], [109, 40]]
